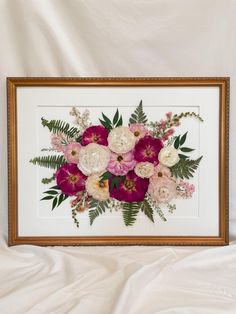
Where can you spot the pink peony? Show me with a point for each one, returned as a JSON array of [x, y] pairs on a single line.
[[71, 152], [121, 164], [162, 190], [139, 130], [161, 171], [147, 149], [133, 189], [70, 179], [95, 134]]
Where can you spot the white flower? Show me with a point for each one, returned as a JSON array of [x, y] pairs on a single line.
[[93, 158], [168, 156], [121, 140], [144, 169], [99, 190]]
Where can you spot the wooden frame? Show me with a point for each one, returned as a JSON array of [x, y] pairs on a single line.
[[222, 83]]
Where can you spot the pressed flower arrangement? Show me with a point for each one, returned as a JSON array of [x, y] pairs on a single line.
[[141, 167]]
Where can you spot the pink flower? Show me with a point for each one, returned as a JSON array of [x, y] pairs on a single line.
[[162, 189], [169, 115], [147, 149], [71, 152], [59, 141], [121, 164], [133, 189], [70, 179], [161, 171], [139, 130], [185, 189], [95, 134]]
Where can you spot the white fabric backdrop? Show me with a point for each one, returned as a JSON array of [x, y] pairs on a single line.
[[117, 38]]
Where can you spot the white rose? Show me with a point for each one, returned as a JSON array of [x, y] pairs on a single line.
[[121, 140], [93, 158], [97, 189], [168, 156], [144, 169]]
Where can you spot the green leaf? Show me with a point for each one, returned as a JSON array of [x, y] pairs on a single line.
[[58, 126], [120, 122], [176, 143], [186, 149], [183, 156], [146, 208], [51, 192], [130, 212], [49, 197], [114, 183], [55, 187], [97, 208], [105, 176], [53, 162], [138, 116], [106, 119], [106, 125], [116, 117], [185, 168], [183, 139], [54, 203], [61, 199]]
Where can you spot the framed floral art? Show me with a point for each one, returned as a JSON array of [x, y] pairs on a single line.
[[118, 161]]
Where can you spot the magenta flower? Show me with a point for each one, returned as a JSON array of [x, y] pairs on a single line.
[[147, 149], [95, 134], [71, 152], [70, 179], [133, 189], [121, 164]]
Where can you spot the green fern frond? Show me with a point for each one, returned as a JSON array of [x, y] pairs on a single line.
[[58, 126], [138, 116], [130, 212], [146, 208], [53, 162], [185, 168], [97, 208]]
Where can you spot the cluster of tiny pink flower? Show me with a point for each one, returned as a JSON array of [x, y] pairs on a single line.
[[164, 127], [185, 189]]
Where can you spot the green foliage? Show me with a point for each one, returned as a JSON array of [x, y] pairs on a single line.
[[185, 168], [53, 161], [130, 212], [97, 208], [179, 141], [48, 180], [55, 195], [146, 208], [138, 116], [116, 121], [58, 126], [74, 214], [115, 181]]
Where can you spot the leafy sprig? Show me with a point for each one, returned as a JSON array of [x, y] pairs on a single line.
[[54, 194], [52, 162], [138, 116], [130, 212], [185, 168], [58, 126], [97, 208], [116, 121], [178, 144]]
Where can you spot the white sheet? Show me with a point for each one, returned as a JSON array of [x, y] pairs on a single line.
[[117, 38]]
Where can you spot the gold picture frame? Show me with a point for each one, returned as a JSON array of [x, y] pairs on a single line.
[[16, 83]]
